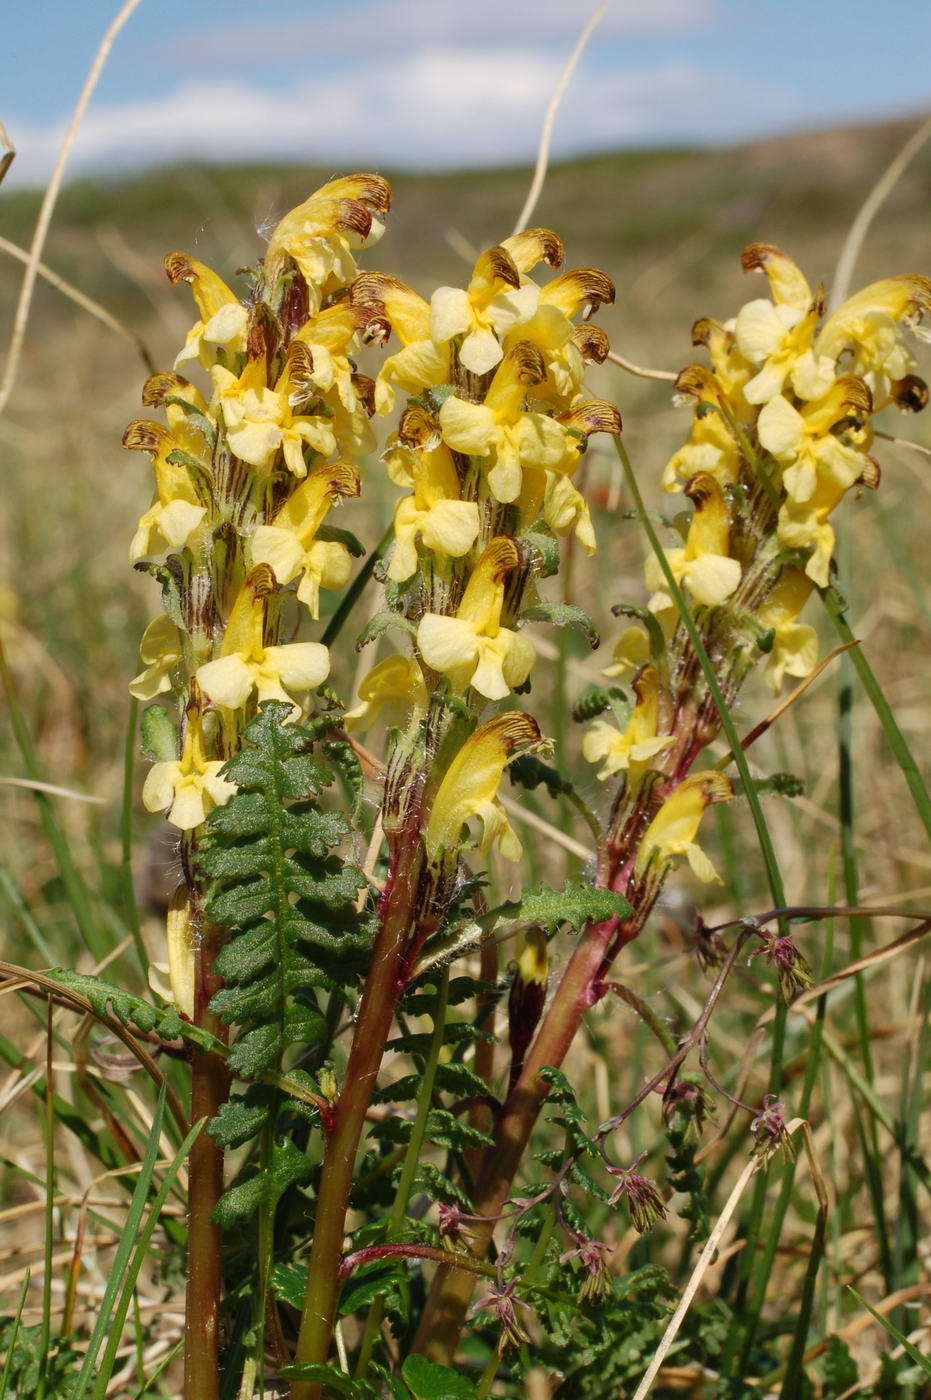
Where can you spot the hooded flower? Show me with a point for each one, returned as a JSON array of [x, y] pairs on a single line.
[[794, 647], [447, 525], [320, 233], [246, 664], [160, 653], [778, 335], [290, 545], [711, 445], [501, 431], [421, 363], [261, 421], [630, 750], [395, 684], [223, 320], [470, 787], [867, 327], [804, 444], [472, 648], [190, 787], [703, 564], [176, 512], [180, 969], [496, 299], [673, 830]]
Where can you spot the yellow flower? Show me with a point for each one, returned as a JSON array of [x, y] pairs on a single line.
[[777, 336], [224, 319], [711, 446], [421, 363], [472, 648], [703, 564], [396, 682], [181, 937], [496, 300], [260, 421], [566, 510], [189, 787], [673, 830], [329, 337], [470, 787], [318, 234], [246, 664], [175, 514], [867, 326], [630, 750], [804, 525], [498, 429], [731, 369], [794, 650], [289, 545], [565, 347], [160, 653], [803, 442], [630, 652], [158, 389], [446, 524]]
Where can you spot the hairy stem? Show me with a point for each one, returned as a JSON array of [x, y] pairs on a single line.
[[452, 1290], [376, 1011]]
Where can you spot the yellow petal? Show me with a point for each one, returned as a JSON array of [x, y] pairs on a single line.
[[228, 681]]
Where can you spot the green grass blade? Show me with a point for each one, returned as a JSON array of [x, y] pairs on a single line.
[[74, 885], [894, 736], [127, 1294], [14, 1333], [159, 1371], [124, 1250], [911, 1351]]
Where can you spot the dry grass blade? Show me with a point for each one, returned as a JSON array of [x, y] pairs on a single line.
[[49, 200], [35, 785], [79, 298], [640, 370], [546, 135], [9, 152], [759, 729], [871, 207], [698, 1273]]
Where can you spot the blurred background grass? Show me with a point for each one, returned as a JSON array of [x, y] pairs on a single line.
[[668, 226]]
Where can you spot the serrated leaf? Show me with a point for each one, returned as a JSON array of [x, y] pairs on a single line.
[[427, 1380], [256, 1051], [239, 1203], [376, 1280], [575, 905], [563, 615], [382, 622], [237, 1121]]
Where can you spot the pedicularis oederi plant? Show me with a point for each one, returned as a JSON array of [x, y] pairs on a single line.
[[372, 1075]]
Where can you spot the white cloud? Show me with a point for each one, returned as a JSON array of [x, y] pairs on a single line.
[[440, 106], [346, 30]]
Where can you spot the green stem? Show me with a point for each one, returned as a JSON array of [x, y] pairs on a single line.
[[355, 589], [894, 736], [376, 1011], [411, 1159]]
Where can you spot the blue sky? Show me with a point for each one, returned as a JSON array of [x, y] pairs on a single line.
[[442, 83]]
